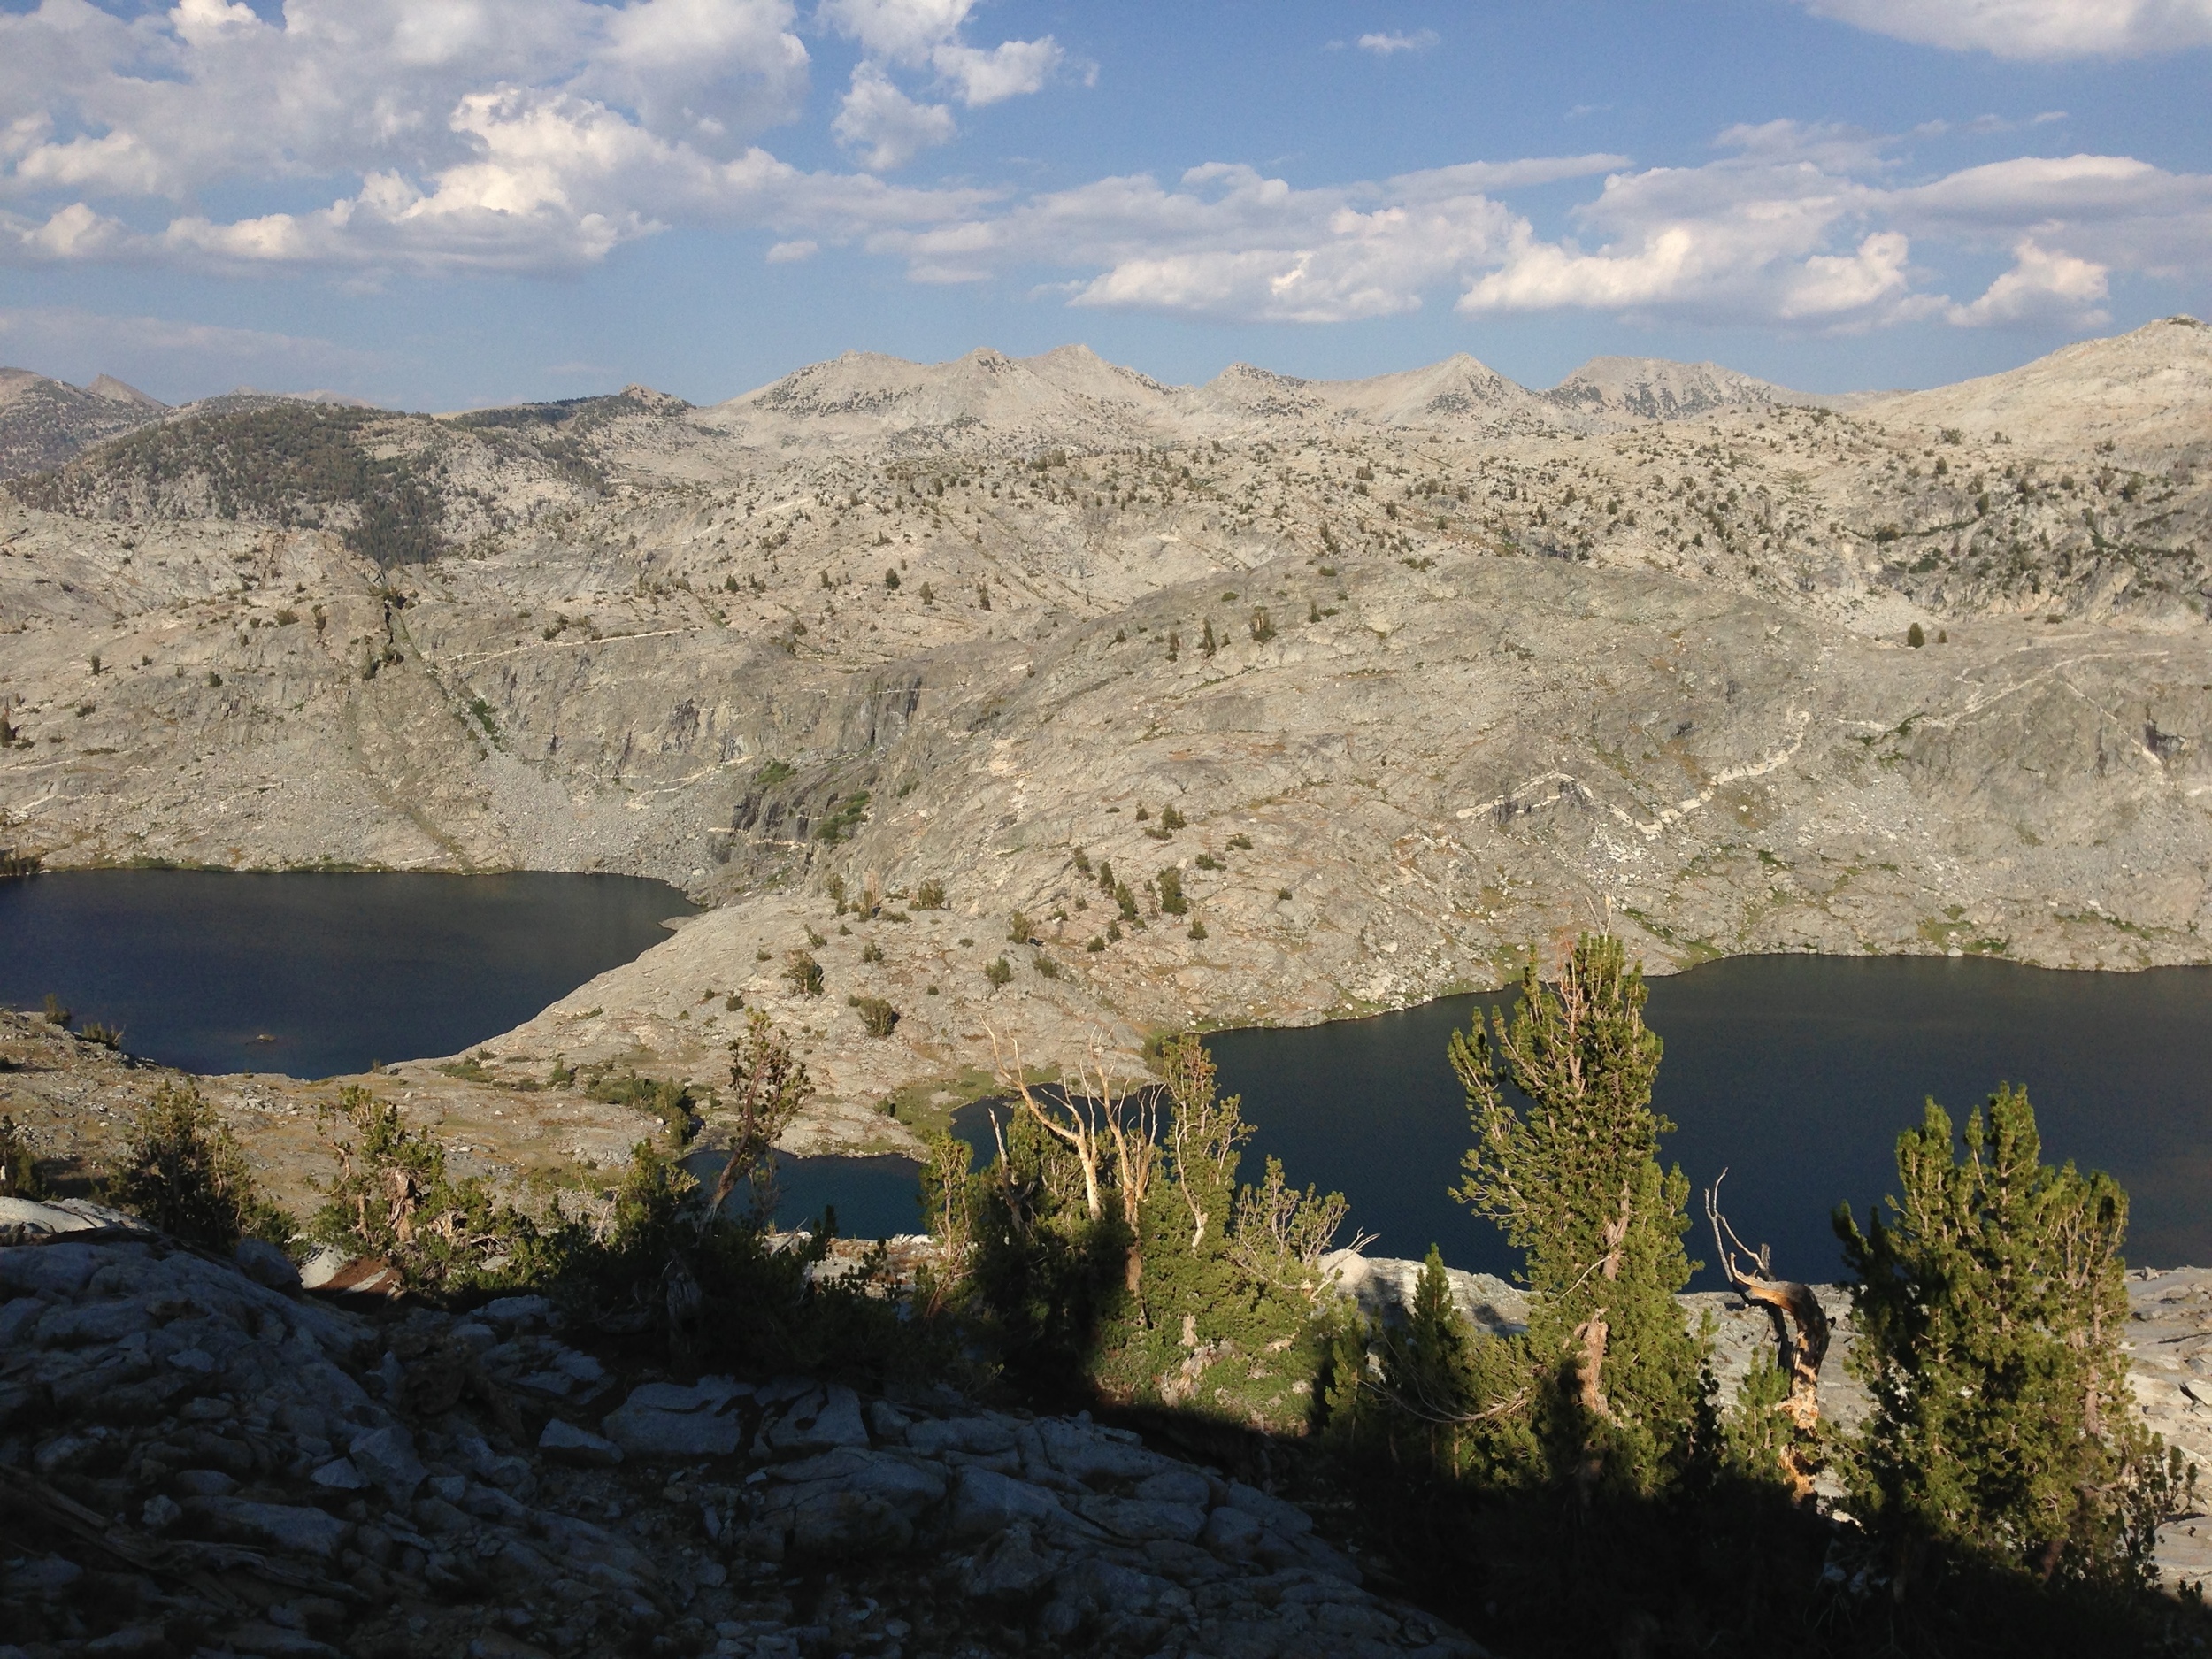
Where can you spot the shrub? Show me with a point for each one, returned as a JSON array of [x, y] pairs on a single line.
[[1197, 928], [1019, 930], [393, 1198], [803, 973], [1242, 843], [768, 1088], [108, 1037], [1096, 943], [843, 823], [19, 1168], [1915, 636], [1111, 1252], [929, 896], [57, 1013], [1046, 966], [186, 1173], [1263, 628], [1173, 821], [1170, 882], [876, 1015], [872, 952], [1993, 1316], [999, 973], [663, 1098]]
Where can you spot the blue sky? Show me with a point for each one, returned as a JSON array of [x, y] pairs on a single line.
[[444, 202]]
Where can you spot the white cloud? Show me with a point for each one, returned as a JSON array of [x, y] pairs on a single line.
[[888, 124], [886, 127], [165, 104], [1387, 45], [1799, 230], [1009, 70], [2033, 29], [501, 135], [901, 31], [1229, 242], [2040, 288], [452, 134]]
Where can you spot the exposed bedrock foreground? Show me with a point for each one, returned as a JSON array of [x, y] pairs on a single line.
[[198, 1457]]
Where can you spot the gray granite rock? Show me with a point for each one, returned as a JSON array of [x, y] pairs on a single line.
[[564, 1443], [289, 1528], [822, 1417], [386, 1457], [669, 1420]]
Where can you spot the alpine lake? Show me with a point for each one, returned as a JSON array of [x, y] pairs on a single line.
[[1794, 1073]]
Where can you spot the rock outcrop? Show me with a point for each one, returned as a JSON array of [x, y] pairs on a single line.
[[192, 1461]]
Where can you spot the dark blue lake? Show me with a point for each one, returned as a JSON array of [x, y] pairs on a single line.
[[1794, 1072], [199, 967]]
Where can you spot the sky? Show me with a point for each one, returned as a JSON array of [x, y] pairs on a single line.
[[448, 203]]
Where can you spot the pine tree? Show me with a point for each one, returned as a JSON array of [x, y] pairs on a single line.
[[1425, 1366], [1991, 1309], [186, 1173], [1575, 1183]]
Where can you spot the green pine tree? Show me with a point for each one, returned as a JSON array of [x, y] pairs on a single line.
[[1575, 1183], [186, 1173], [1992, 1309]]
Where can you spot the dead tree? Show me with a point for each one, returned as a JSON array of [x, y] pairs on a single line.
[[1132, 1117], [1073, 1120], [1800, 1333]]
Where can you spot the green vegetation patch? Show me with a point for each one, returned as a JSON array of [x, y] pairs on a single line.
[[295, 466]]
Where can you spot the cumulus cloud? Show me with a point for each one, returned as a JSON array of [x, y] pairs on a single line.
[[1388, 45], [1800, 227], [887, 129], [454, 134], [1228, 241], [2033, 29], [888, 126], [166, 104], [2041, 286], [511, 136]]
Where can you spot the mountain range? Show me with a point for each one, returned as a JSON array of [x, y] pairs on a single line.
[[1432, 668]]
